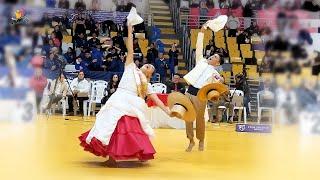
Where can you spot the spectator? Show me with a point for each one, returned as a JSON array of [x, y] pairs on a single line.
[[69, 56], [152, 54], [80, 5], [38, 82], [233, 25], [253, 29], [111, 88], [46, 48], [161, 66], [118, 39], [113, 64], [286, 103], [248, 13], [97, 56], [64, 4], [267, 97], [242, 84], [51, 3], [58, 33], [243, 38], [175, 85], [96, 5], [136, 46], [58, 91], [121, 61], [56, 41], [45, 20], [203, 11], [223, 4], [52, 66], [79, 24], [80, 88], [93, 41], [81, 41], [173, 59], [81, 65]]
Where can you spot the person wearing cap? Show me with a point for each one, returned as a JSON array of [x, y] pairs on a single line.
[[201, 75]]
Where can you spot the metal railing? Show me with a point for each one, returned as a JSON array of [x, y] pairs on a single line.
[[175, 14], [186, 48]]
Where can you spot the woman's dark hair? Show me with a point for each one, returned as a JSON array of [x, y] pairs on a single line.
[[111, 79]]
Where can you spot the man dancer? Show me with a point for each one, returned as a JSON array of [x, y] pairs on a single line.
[[203, 74]]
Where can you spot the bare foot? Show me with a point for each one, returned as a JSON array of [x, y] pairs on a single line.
[[201, 146], [190, 147]]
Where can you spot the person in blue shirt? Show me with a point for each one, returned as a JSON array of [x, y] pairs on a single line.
[[161, 66], [51, 3], [46, 48], [81, 41], [70, 56], [93, 41], [97, 58], [52, 66], [121, 61]]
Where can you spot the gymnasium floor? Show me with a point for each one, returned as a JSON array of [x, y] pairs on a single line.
[[49, 149]]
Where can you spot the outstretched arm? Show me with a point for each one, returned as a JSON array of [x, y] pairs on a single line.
[[199, 45], [159, 103], [129, 59]]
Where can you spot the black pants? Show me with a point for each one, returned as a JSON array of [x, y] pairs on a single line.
[[71, 101], [232, 33]]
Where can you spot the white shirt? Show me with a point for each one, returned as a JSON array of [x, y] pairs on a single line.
[[82, 86], [203, 73]]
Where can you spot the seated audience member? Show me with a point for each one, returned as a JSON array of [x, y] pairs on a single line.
[[64, 4], [111, 88], [93, 41], [58, 91], [38, 82], [175, 85], [51, 3], [97, 57], [161, 66], [80, 5], [267, 96], [118, 39], [52, 66], [81, 41], [136, 46], [80, 88], [120, 63], [81, 65], [79, 24], [69, 56], [46, 48]]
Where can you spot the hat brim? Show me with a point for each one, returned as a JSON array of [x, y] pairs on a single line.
[[175, 98], [218, 23], [203, 92]]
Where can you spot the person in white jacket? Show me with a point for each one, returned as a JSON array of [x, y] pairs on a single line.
[[201, 75], [80, 88]]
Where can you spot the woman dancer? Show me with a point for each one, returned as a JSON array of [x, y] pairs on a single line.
[[121, 130]]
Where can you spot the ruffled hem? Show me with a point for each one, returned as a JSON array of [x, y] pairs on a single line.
[[127, 142]]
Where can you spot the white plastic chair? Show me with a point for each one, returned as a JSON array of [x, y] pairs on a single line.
[[97, 93], [45, 95], [159, 88], [237, 106], [261, 108]]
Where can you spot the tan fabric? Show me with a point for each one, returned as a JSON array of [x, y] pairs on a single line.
[[64, 88], [200, 107]]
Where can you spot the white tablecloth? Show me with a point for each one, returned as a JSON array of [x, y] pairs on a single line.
[[159, 119]]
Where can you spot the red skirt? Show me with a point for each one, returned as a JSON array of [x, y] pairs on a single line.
[[128, 141]]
